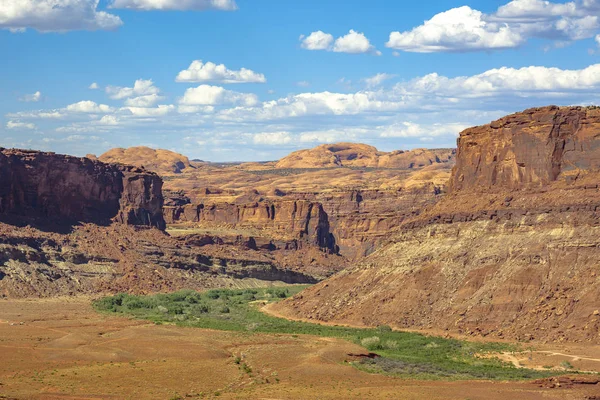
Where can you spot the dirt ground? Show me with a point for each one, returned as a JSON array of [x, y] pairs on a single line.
[[62, 349]]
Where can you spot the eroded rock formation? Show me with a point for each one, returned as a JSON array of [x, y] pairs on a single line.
[[362, 155], [159, 161], [68, 189], [511, 251]]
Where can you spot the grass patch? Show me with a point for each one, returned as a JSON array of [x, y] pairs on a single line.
[[402, 353]]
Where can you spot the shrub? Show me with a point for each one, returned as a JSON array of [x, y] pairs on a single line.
[[175, 309], [193, 298], [278, 293], [224, 310], [371, 343], [200, 308], [384, 329], [566, 365], [391, 344]]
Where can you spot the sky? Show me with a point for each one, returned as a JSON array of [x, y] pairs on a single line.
[[252, 80]]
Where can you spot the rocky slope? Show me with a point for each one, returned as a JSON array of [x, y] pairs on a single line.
[[362, 155], [512, 251], [75, 225], [362, 204], [159, 161], [63, 189]]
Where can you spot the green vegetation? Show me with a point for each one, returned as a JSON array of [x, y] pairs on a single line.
[[402, 353]]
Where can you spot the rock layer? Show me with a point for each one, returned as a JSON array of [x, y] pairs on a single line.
[[365, 156], [68, 189], [512, 251]]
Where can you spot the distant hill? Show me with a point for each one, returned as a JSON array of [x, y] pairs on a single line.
[[362, 155], [159, 161]]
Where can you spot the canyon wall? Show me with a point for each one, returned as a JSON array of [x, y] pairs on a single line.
[[303, 220], [68, 189], [511, 251]]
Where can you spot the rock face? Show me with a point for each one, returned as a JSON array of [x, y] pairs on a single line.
[[69, 189], [511, 251], [159, 161], [296, 220], [529, 149], [362, 155]]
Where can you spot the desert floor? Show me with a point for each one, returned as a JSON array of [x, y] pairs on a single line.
[[63, 349]]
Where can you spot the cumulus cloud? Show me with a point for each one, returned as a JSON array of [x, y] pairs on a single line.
[[377, 79], [522, 82], [272, 138], [215, 95], [141, 87], [353, 42], [94, 86], [89, 107], [32, 98], [211, 72], [180, 5], [466, 29], [144, 112], [19, 125], [458, 29], [318, 40], [143, 101], [55, 16], [413, 130]]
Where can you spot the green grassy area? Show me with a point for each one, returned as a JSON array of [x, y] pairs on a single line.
[[402, 353]]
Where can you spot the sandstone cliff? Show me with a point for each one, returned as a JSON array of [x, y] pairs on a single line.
[[159, 161], [301, 220], [362, 155], [512, 251], [67, 189], [529, 149]]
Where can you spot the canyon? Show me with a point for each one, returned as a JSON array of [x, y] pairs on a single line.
[[511, 251], [498, 238]]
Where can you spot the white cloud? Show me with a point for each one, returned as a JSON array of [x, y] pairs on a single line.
[[215, 95], [88, 106], [19, 125], [353, 42], [141, 87], [145, 112], [109, 120], [377, 79], [272, 138], [414, 130], [458, 29], [181, 5], [33, 98], [55, 16], [466, 29], [183, 109], [303, 84], [211, 72], [94, 86], [523, 82], [318, 40], [143, 101]]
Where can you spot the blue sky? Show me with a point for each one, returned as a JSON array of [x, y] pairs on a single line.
[[253, 80]]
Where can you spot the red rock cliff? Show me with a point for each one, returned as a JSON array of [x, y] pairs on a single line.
[[46, 185], [528, 149]]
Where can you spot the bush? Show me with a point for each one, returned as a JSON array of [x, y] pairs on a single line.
[[384, 329], [200, 308], [278, 293], [224, 310], [175, 309], [371, 343], [193, 298]]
